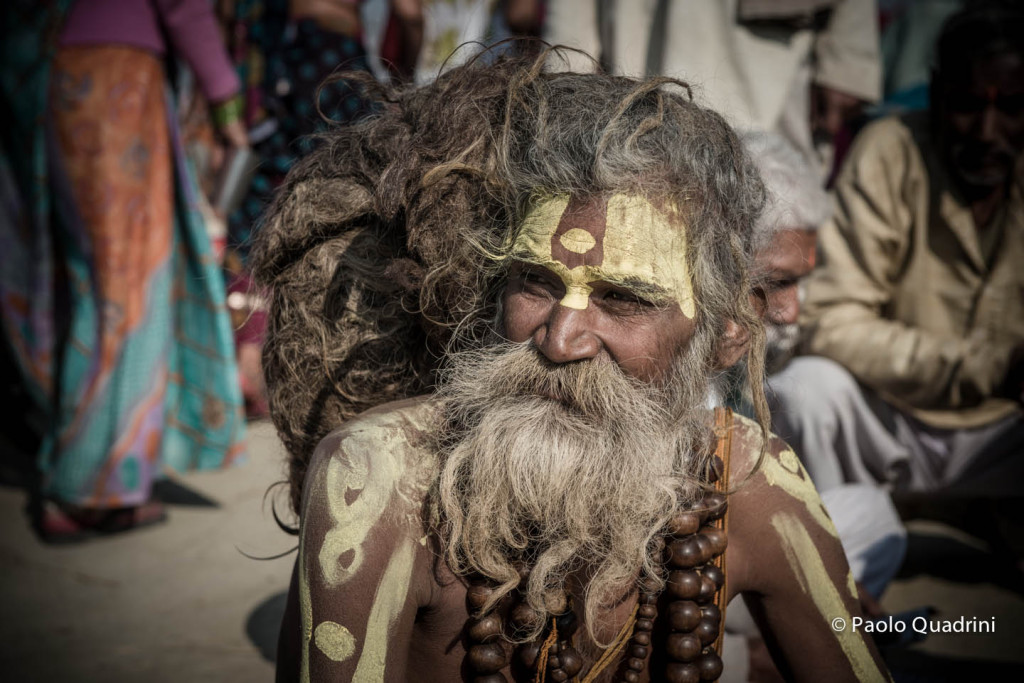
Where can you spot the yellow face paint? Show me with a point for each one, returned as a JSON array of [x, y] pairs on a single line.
[[805, 562], [627, 241]]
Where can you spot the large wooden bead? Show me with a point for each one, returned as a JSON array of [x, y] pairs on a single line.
[[477, 595], [630, 676], [650, 585], [484, 629], [487, 658], [639, 651], [572, 662], [717, 467], [710, 666], [648, 598], [683, 524], [711, 612], [558, 675], [526, 655], [644, 612], [706, 549], [716, 575], [642, 638], [683, 615], [684, 584], [684, 553], [716, 504], [566, 623], [677, 672], [707, 631], [707, 590], [718, 538], [523, 616], [698, 508], [635, 663], [644, 625], [682, 647]]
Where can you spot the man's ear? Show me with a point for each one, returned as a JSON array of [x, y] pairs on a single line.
[[732, 345]]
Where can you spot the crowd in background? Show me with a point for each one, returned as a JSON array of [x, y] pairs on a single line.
[[144, 138]]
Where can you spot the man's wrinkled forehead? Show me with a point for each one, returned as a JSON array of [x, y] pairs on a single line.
[[622, 240]]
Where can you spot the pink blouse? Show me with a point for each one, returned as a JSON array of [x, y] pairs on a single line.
[[190, 25]]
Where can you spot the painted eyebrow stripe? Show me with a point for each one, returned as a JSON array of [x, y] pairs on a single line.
[[622, 240]]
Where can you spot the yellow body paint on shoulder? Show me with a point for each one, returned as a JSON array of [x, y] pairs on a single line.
[[788, 473], [377, 464], [388, 603], [815, 581], [635, 242]]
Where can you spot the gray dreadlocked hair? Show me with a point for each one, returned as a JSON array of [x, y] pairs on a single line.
[[386, 247]]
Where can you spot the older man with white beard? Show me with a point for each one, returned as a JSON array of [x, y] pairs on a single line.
[[529, 277], [785, 239]]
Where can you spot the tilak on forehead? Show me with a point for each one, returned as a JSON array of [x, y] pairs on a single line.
[[623, 240]]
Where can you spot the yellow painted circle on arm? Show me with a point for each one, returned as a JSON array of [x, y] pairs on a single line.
[[334, 640]]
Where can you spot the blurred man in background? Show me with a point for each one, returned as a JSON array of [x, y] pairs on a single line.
[[916, 313]]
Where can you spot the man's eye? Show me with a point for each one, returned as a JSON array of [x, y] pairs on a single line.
[[626, 298], [534, 278], [777, 285]]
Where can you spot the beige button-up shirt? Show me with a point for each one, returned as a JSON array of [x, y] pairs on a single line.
[[905, 295]]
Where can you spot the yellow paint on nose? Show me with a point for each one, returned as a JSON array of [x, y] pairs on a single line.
[[577, 297]]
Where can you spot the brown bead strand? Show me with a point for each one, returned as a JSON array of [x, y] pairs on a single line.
[[693, 583], [485, 653], [691, 546]]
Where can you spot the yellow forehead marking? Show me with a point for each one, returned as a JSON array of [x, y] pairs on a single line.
[[805, 562], [638, 242], [578, 241]]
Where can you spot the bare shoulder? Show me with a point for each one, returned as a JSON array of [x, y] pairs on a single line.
[[363, 561], [374, 471], [773, 502]]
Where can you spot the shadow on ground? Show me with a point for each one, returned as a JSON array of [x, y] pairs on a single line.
[[264, 623]]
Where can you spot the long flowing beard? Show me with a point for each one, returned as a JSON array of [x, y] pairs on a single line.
[[564, 469]]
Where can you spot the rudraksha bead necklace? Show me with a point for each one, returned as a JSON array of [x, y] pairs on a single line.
[[694, 548]]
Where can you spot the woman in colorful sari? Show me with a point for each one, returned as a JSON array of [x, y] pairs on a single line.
[[112, 304]]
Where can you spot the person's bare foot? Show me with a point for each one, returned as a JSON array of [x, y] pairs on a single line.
[[60, 523]]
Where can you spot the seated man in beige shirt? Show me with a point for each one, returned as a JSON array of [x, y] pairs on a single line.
[[915, 314]]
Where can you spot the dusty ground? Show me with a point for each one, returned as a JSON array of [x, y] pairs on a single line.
[[181, 602]]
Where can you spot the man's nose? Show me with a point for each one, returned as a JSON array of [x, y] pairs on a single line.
[[787, 307], [988, 123], [567, 336]]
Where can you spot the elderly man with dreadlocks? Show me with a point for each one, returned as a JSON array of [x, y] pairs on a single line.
[[497, 307]]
